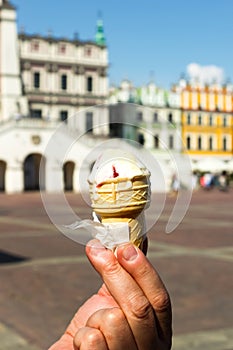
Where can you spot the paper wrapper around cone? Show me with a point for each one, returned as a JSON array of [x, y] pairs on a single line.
[[123, 200]]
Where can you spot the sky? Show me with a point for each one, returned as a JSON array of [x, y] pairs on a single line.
[[149, 40]]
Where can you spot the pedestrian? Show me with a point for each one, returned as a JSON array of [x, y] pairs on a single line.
[[194, 181], [223, 182], [175, 184], [206, 181]]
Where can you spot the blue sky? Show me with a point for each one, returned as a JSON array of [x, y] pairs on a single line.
[[149, 39]]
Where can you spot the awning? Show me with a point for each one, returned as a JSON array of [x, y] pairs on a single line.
[[213, 165]]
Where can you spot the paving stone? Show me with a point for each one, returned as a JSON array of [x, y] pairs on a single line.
[[45, 276], [221, 339], [11, 340]]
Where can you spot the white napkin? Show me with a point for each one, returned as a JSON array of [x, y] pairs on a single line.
[[110, 235]]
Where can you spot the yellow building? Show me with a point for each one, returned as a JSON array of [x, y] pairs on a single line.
[[206, 119]]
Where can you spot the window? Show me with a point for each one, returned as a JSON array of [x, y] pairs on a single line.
[[36, 113], [63, 115], [87, 51], [36, 80], [35, 45], [210, 143], [210, 120], [188, 142], [62, 48], [199, 119], [224, 144], [89, 84], [155, 117], [156, 141], [170, 118], [199, 143], [171, 141], [189, 119], [141, 139], [116, 129], [139, 116], [89, 122], [64, 82], [224, 122]]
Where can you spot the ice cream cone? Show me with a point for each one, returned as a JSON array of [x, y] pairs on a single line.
[[122, 198]]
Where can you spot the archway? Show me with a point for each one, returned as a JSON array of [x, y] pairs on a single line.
[[2, 175], [68, 173], [34, 172]]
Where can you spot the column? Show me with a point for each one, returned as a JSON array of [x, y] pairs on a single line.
[[14, 178]]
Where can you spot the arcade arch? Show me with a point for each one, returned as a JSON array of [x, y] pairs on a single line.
[[2, 175], [34, 172], [68, 175]]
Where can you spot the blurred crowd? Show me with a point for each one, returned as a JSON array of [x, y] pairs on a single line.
[[208, 181]]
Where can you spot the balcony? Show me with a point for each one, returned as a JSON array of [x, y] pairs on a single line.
[[36, 123]]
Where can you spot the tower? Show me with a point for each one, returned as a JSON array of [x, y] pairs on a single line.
[[99, 36], [11, 101]]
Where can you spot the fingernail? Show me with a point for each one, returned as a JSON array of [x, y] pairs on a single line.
[[129, 252], [96, 248]]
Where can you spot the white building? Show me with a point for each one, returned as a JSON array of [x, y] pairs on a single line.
[[157, 115], [54, 111], [152, 117], [43, 81]]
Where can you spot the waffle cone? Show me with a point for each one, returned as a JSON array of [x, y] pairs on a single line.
[[121, 199]]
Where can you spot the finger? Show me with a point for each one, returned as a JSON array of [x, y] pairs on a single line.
[[88, 338], [129, 296], [115, 328], [97, 301], [139, 267]]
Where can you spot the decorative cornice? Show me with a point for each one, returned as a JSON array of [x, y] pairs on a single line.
[[202, 110], [27, 63], [47, 97], [53, 39]]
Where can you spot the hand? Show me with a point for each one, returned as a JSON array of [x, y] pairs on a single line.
[[132, 309], [142, 318]]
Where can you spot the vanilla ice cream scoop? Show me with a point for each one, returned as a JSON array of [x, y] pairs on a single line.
[[120, 191]]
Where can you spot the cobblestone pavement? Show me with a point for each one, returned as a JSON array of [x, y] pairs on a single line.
[[45, 276]]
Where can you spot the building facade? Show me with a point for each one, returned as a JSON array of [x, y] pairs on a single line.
[[45, 81], [61, 76], [189, 120], [151, 116], [207, 120], [157, 115]]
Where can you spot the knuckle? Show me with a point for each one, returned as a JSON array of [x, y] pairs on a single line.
[[140, 307], [161, 301], [114, 317], [92, 339], [111, 268]]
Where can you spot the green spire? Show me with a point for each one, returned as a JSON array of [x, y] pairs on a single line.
[[99, 36]]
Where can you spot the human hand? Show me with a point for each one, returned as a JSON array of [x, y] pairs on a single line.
[[132, 309], [142, 318]]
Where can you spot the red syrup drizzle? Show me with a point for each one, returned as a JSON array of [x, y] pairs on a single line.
[[114, 175]]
